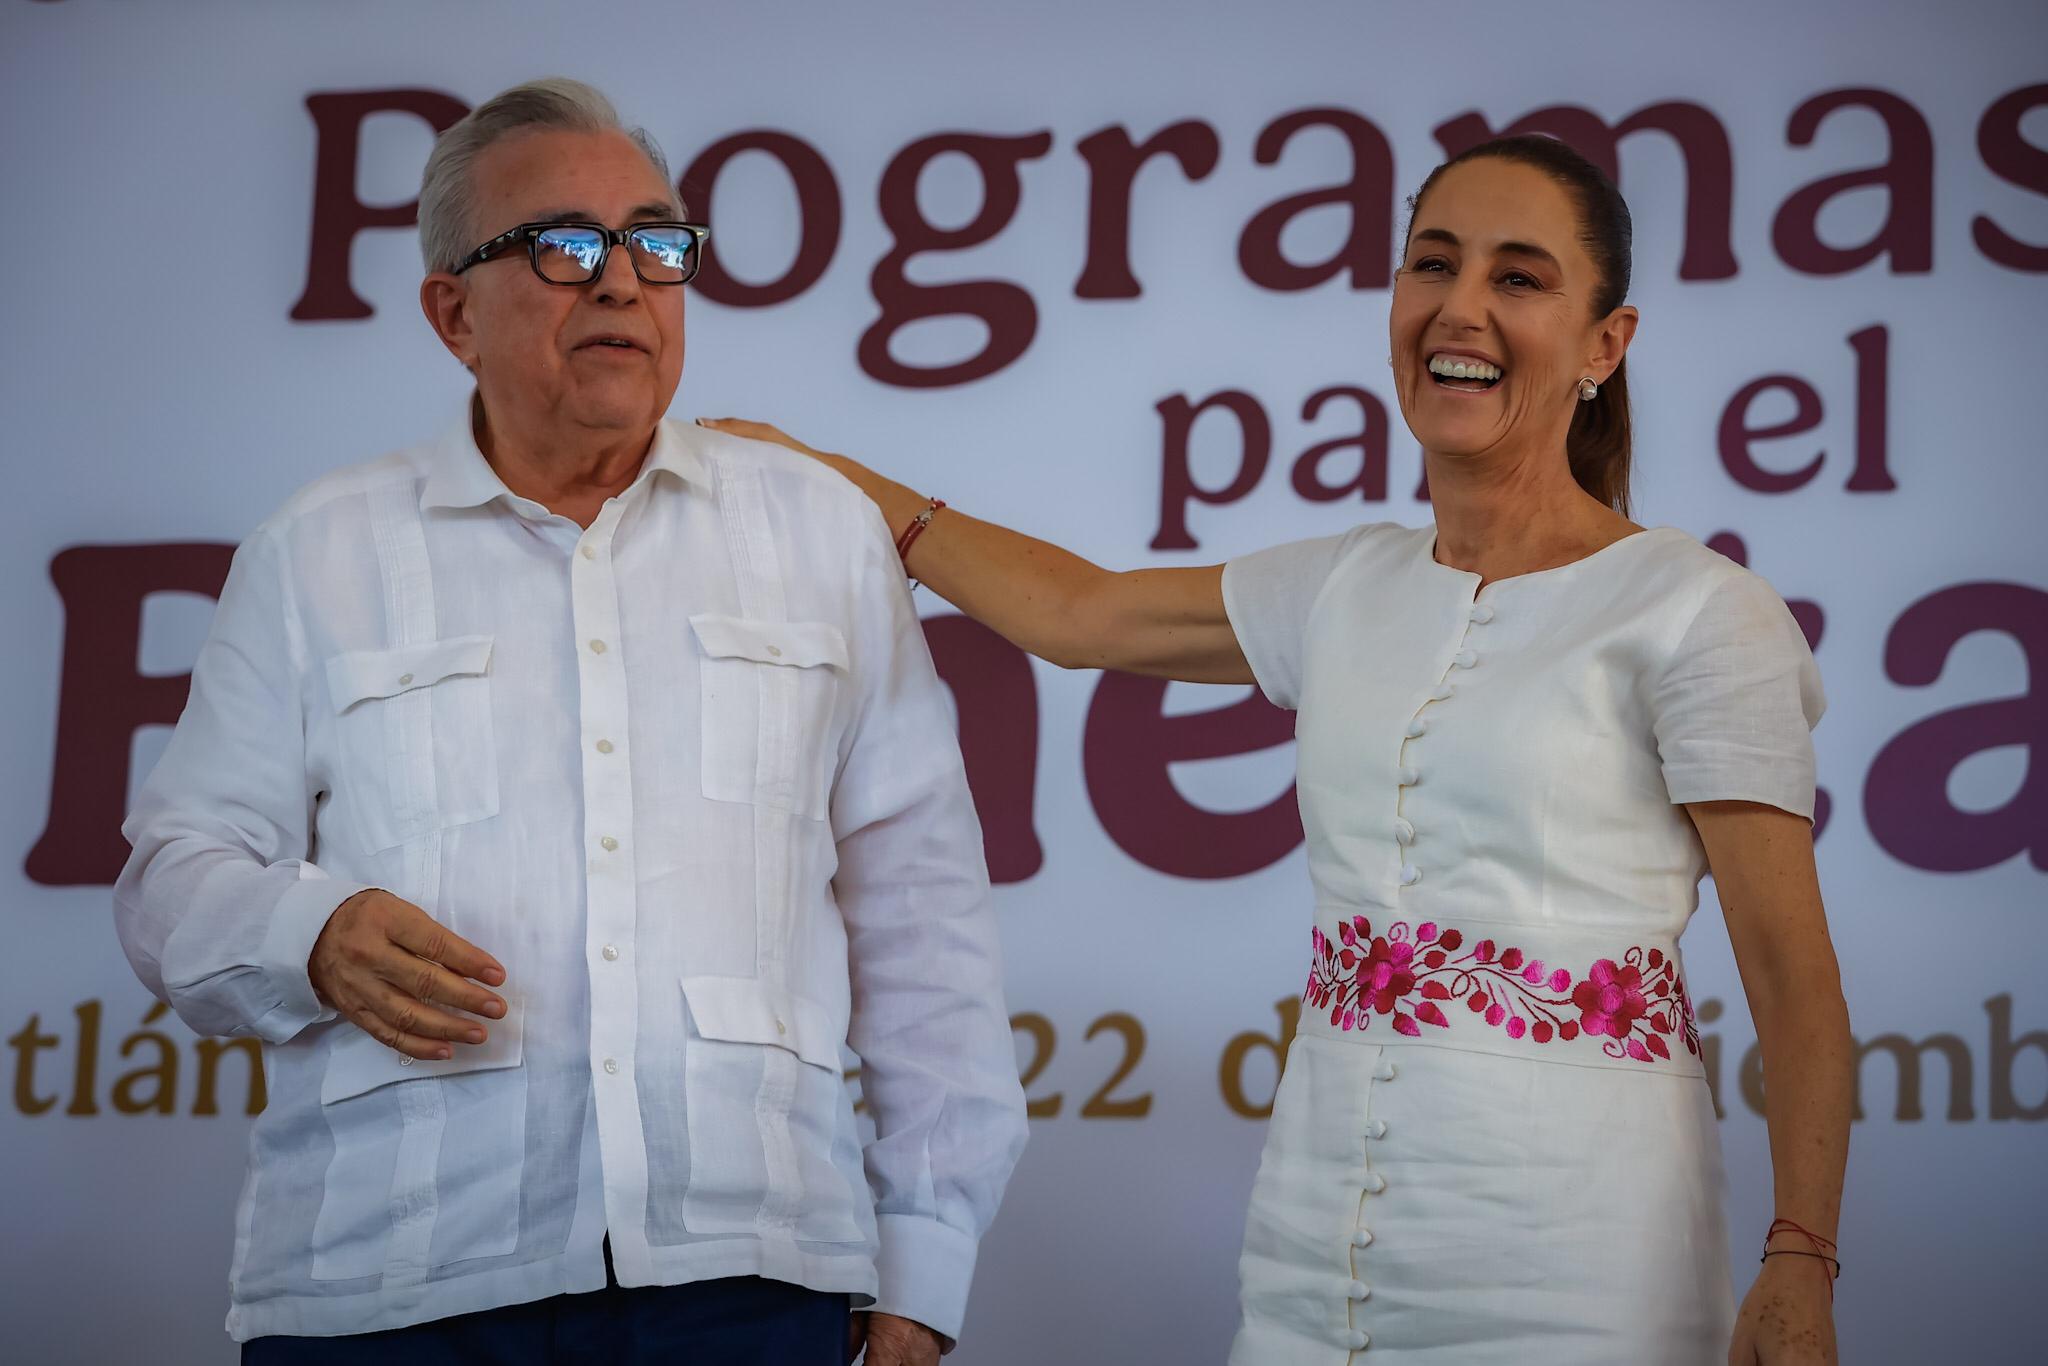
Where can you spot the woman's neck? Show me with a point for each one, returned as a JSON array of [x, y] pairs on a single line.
[[1498, 517]]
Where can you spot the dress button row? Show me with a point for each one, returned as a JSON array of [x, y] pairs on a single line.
[[1362, 1238], [1377, 1129], [1482, 613], [1360, 1339], [1417, 727], [1442, 693], [1358, 1290], [1465, 659], [1410, 775], [1410, 875], [1386, 1071], [1374, 1183], [1404, 830]]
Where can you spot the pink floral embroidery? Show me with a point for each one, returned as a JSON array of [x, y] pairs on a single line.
[[1632, 1006]]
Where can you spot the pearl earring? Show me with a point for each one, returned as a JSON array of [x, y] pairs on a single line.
[[1587, 389]]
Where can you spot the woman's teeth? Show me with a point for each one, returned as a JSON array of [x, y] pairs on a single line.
[[1463, 367]]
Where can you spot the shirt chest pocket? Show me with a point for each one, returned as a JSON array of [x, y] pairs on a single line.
[[415, 750], [769, 691]]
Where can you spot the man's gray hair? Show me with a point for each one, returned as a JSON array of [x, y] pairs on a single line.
[[448, 230]]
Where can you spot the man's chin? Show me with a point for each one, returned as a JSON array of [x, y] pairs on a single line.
[[638, 410]]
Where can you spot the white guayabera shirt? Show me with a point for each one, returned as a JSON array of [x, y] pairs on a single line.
[[689, 775]]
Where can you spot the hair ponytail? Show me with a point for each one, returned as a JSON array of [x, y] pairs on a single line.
[[1599, 441]]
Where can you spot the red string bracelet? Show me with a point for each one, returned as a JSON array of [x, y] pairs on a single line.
[[915, 529], [1823, 1249]]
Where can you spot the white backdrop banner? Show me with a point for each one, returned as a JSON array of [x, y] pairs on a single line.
[[1116, 272]]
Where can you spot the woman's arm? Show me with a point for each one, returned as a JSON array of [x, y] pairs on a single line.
[[1169, 623], [1762, 860]]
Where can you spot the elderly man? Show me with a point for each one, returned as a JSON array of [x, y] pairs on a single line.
[[555, 799]]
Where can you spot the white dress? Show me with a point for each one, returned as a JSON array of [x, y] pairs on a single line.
[[1494, 1141]]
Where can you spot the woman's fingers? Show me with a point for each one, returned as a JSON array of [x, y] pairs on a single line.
[[752, 431]]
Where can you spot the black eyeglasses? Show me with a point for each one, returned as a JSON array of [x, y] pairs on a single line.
[[575, 253]]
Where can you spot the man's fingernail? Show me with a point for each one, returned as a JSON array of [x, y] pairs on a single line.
[[445, 1054], [476, 1036]]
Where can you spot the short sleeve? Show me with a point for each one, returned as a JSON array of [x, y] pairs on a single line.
[[1736, 705], [1268, 595]]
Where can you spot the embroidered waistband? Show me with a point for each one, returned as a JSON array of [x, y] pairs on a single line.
[[1468, 986]]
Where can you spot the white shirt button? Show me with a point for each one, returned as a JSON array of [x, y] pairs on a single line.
[[1466, 659], [1404, 830], [1417, 727], [611, 1065], [404, 680], [1358, 1290], [604, 747], [1362, 1238], [1374, 1183], [597, 647], [1360, 1339], [590, 552], [781, 1028], [1482, 613], [611, 953], [406, 1060], [1378, 1129], [775, 651], [608, 844], [1410, 875], [1410, 775]]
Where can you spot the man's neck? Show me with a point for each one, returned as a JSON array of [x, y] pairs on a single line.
[[570, 473]]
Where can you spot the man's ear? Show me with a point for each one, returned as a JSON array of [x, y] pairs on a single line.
[[1611, 338], [444, 298]]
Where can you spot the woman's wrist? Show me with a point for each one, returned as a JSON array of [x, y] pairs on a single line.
[[899, 502]]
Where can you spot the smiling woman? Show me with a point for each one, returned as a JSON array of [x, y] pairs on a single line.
[[1525, 734], [1530, 291]]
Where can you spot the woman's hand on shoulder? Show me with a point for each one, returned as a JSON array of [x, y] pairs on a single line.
[[1168, 623], [763, 431]]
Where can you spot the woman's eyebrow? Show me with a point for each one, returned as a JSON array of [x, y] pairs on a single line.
[[1529, 249]]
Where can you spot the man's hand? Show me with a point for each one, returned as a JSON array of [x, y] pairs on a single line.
[[388, 966], [891, 1341]]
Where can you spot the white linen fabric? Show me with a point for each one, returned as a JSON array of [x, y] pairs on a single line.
[[1493, 1142], [690, 776]]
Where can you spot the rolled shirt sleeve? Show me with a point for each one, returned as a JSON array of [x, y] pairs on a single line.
[[938, 1067], [218, 907], [1735, 706], [1268, 596]]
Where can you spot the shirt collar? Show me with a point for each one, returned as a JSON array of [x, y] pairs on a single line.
[[458, 476]]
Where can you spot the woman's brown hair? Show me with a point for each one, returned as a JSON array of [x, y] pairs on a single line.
[[1599, 442]]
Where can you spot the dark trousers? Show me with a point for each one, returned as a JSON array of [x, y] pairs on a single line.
[[743, 1321]]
